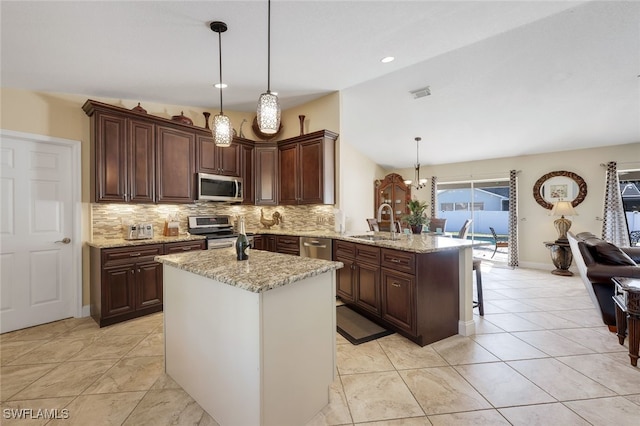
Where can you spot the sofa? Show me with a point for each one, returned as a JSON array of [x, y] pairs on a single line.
[[598, 261]]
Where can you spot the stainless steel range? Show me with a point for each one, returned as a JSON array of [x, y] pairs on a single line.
[[218, 230]]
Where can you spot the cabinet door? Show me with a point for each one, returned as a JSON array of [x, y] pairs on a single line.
[[311, 173], [247, 173], [258, 242], [206, 155], [141, 164], [288, 181], [270, 243], [181, 247], [368, 287], [110, 157], [266, 176], [288, 244], [345, 280], [398, 299], [175, 169], [149, 284], [229, 160], [118, 290]]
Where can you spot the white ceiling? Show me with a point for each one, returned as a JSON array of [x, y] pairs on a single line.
[[507, 78]]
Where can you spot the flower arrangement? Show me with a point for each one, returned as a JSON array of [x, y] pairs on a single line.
[[417, 216]]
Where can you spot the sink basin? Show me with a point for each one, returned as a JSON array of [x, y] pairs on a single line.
[[373, 237]]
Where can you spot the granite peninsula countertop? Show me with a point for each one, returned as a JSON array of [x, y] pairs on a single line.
[[121, 242], [263, 270]]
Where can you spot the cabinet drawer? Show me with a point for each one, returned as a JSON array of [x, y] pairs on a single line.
[[367, 254], [399, 261], [131, 254], [181, 247], [287, 243], [342, 249]]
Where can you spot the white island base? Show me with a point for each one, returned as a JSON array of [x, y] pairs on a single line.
[[251, 358]]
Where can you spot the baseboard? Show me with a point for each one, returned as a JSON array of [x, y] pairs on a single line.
[[86, 311], [544, 267], [466, 328]]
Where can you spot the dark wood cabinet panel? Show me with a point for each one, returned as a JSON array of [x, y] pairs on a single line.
[[258, 242], [141, 162], [287, 182], [247, 166], [118, 290], [266, 170], [229, 160], [206, 155], [367, 286], [345, 279], [217, 160], [398, 299], [288, 244], [149, 284], [184, 246], [110, 157], [311, 173], [393, 191], [175, 168]]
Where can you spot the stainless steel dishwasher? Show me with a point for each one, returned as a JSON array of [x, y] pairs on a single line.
[[317, 248]]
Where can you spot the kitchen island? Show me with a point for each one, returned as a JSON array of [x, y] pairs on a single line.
[[253, 342]]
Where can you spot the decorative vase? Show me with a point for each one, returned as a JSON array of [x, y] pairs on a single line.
[[242, 242], [301, 118], [206, 119], [416, 229]]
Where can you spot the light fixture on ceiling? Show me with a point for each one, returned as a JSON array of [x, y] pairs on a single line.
[[417, 183], [220, 85], [421, 93], [221, 129], [268, 113], [387, 59]]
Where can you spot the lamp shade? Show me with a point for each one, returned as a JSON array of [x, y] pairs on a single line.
[[268, 113], [563, 208], [222, 133]]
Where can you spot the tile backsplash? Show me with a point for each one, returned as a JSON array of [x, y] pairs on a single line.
[[107, 219]]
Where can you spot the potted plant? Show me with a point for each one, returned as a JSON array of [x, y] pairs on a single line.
[[417, 216]]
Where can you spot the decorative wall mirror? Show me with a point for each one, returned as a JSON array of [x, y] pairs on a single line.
[[559, 185]]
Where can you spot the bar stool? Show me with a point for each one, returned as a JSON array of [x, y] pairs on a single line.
[[479, 304]]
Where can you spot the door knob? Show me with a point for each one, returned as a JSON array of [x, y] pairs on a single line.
[[65, 240]]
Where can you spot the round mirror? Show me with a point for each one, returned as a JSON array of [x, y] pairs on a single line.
[[559, 185]]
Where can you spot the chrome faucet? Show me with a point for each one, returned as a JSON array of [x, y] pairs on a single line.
[[392, 225]]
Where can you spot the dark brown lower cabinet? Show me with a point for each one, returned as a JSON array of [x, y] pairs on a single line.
[[287, 244], [414, 294], [127, 283]]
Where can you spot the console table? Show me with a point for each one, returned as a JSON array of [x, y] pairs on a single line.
[[627, 299], [561, 257]]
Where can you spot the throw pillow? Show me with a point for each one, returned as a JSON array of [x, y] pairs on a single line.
[[608, 253]]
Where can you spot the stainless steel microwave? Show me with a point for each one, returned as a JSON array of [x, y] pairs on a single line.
[[219, 188]]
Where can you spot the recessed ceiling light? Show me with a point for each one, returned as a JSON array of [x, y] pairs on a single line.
[[387, 59], [220, 85]]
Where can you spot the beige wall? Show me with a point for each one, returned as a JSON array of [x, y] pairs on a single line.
[[534, 224]]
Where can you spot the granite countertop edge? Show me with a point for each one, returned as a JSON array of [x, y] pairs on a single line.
[[121, 242]]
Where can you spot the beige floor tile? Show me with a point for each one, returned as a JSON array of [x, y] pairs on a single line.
[[207, 420], [560, 381], [514, 305], [501, 385], [87, 328], [165, 407], [143, 325], [442, 390], [109, 347], [634, 398], [507, 347], [607, 411], [129, 374], [593, 339], [68, 379], [552, 343], [560, 303], [511, 322], [410, 421], [621, 378], [490, 308], [152, 345], [337, 411], [17, 377], [485, 327], [44, 331], [364, 358], [34, 411], [165, 382], [404, 354], [542, 415], [340, 340], [470, 418], [547, 320], [583, 317], [55, 350], [107, 410], [379, 396], [13, 350], [462, 350]]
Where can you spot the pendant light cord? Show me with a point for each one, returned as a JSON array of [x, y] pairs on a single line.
[[269, 47], [220, 63]]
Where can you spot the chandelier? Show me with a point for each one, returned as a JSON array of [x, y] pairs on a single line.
[[417, 183]]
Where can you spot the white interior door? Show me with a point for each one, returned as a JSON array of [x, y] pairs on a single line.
[[39, 268]]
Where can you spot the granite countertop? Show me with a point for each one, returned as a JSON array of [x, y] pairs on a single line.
[[423, 243], [263, 270], [121, 242]]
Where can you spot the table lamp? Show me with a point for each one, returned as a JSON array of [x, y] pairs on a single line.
[[562, 209]]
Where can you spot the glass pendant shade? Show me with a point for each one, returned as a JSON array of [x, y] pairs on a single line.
[[268, 113], [221, 130]]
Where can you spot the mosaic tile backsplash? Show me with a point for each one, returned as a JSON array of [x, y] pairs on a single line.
[[107, 219]]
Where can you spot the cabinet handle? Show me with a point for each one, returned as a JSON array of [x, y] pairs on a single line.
[[186, 248], [395, 284], [395, 260], [138, 269], [134, 254], [132, 272]]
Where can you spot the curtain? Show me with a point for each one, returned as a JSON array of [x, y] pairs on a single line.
[[614, 223], [434, 196], [513, 219]]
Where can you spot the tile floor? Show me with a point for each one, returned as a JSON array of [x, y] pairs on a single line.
[[541, 356]]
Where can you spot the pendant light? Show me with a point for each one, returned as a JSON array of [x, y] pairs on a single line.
[[419, 183], [268, 113], [221, 128]]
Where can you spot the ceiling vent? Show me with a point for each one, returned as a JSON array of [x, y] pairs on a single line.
[[421, 93]]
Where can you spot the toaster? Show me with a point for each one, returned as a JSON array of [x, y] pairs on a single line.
[[138, 231]]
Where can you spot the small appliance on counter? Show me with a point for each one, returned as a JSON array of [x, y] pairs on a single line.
[[137, 231]]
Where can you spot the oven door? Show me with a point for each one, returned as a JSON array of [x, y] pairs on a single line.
[[220, 243]]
